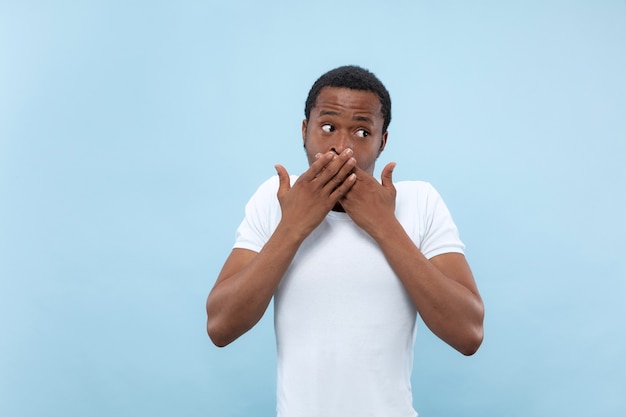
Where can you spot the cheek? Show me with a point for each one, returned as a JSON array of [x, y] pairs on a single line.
[[365, 159], [310, 151], [312, 145]]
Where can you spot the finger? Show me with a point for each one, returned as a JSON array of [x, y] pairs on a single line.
[[333, 167], [284, 182], [345, 170], [387, 173], [318, 166], [343, 188]]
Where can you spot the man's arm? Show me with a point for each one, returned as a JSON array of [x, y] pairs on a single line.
[[443, 288], [245, 286], [247, 282]]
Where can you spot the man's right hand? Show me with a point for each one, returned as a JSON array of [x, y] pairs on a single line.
[[305, 204]]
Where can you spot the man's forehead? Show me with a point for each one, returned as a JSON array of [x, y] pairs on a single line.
[[333, 99]]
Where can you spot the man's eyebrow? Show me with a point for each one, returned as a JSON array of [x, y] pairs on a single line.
[[363, 119], [336, 113]]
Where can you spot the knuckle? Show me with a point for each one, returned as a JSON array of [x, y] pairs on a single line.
[[337, 179]]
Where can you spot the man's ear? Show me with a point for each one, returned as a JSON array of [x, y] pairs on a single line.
[[304, 132], [383, 143]]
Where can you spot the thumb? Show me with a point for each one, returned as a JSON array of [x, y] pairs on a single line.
[[284, 182], [386, 174]]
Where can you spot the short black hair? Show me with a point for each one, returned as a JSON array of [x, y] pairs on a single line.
[[354, 78]]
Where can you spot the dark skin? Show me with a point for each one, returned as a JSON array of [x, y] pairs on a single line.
[[343, 137]]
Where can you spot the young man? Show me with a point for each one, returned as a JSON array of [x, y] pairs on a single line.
[[350, 261]]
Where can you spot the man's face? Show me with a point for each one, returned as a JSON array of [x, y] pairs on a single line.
[[344, 118]]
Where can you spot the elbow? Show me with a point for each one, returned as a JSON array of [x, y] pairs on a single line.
[[472, 342], [474, 337], [475, 334], [217, 341], [215, 331], [218, 337], [215, 328], [223, 329], [220, 343]]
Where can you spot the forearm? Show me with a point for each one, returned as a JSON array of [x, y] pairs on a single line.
[[238, 301], [248, 281], [450, 309]]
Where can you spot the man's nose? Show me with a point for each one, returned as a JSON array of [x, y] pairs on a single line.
[[342, 141]]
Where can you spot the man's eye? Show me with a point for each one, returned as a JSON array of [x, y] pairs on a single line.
[[328, 128], [362, 133]]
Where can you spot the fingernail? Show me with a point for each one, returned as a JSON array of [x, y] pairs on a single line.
[[317, 155]]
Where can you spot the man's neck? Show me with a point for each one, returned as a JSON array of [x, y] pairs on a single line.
[[339, 207]]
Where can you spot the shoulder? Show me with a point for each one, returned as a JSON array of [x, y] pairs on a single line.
[[262, 215], [414, 187], [424, 214], [269, 187], [419, 198], [420, 192], [271, 184]]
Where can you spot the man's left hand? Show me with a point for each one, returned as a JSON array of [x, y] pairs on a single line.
[[371, 204]]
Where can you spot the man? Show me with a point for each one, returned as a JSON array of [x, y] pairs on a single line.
[[349, 261]]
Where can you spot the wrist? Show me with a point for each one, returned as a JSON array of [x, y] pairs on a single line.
[[386, 229], [291, 233]]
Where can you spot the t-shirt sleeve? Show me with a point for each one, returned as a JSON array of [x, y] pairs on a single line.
[[440, 234], [262, 214]]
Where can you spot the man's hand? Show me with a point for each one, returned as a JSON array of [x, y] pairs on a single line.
[[305, 204], [370, 204]]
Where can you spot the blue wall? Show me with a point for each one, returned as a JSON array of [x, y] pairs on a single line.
[[131, 136]]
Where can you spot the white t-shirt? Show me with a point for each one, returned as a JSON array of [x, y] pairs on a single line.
[[345, 326]]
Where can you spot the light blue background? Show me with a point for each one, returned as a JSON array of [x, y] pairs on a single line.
[[133, 133]]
